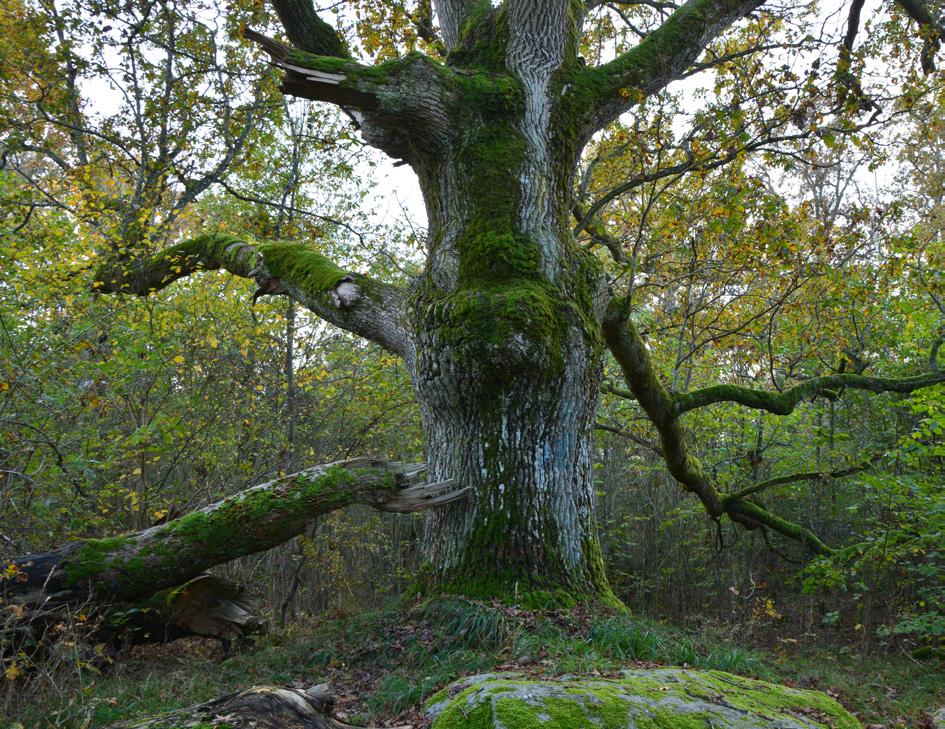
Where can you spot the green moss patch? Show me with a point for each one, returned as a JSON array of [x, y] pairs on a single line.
[[666, 698], [305, 268]]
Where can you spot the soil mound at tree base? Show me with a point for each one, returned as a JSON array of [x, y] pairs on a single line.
[[665, 698]]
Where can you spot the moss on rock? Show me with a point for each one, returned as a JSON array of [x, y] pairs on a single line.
[[666, 698]]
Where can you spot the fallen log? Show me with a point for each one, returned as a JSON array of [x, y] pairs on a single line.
[[261, 707], [134, 566], [207, 606]]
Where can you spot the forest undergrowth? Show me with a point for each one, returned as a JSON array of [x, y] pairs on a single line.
[[383, 664]]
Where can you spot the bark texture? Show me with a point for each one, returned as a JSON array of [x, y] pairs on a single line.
[[206, 605], [506, 351]]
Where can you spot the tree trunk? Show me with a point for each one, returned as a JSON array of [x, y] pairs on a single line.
[[521, 441], [131, 567], [502, 333], [507, 351]]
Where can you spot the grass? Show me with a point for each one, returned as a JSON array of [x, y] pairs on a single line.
[[891, 690], [385, 664]]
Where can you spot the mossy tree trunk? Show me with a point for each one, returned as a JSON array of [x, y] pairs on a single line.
[[132, 567], [507, 352]]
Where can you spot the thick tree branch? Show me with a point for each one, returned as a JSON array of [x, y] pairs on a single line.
[[762, 517], [134, 566], [399, 105], [848, 80], [423, 23], [665, 54], [630, 351], [596, 228], [932, 27], [933, 353], [320, 77], [783, 403], [307, 31], [357, 303], [452, 15]]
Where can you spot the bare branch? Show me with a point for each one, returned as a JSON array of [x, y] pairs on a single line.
[[634, 438], [796, 477]]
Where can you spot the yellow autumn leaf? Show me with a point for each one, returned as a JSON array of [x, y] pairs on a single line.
[[179, 359]]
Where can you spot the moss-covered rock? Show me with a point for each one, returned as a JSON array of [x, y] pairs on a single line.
[[665, 698]]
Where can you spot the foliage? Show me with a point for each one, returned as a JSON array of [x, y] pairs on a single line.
[[900, 551]]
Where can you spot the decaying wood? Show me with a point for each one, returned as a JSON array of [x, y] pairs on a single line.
[[261, 707], [130, 568], [207, 605]]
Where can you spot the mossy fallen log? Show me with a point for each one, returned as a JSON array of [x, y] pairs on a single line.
[[132, 567]]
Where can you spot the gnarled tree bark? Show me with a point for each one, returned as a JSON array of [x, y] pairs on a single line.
[[260, 707]]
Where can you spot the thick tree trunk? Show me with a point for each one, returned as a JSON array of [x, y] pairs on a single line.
[[519, 437], [131, 567], [502, 333], [507, 351]]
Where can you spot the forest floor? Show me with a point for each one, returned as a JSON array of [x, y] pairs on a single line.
[[383, 665]]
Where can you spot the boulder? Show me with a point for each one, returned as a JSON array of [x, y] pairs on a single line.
[[664, 698]]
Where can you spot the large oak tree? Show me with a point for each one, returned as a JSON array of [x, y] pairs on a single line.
[[506, 331]]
